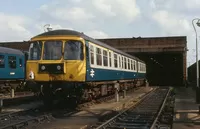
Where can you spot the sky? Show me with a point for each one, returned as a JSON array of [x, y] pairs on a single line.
[[22, 19]]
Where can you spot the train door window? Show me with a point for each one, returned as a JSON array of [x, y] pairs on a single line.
[[91, 54], [2, 61], [105, 58], [125, 63], [20, 62], [110, 59], [99, 56], [12, 62], [115, 60]]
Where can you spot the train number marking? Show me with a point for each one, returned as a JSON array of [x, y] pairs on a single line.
[[92, 72], [12, 73]]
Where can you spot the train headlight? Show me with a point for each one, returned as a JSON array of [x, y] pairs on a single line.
[[43, 67], [58, 67], [31, 75]]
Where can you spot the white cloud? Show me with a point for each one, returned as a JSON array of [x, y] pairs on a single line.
[[96, 34], [40, 27], [192, 4], [87, 11], [172, 24], [13, 27], [91, 33], [126, 9], [103, 7], [71, 14]]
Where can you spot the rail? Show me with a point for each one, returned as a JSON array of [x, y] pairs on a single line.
[[143, 115]]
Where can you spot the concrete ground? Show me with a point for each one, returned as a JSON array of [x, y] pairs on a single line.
[[91, 115], [186, 110]]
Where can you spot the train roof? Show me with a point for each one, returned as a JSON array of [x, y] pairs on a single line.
[[4, 50], [82, 35]]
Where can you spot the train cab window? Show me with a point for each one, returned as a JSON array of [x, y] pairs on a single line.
[[105, 58], [110, 59], [115, 60], [20, 62], [2, 61], [35, 51], [99, 56], [125, 63], [52, 50], [91, 54], [12, 62], [73, 50]]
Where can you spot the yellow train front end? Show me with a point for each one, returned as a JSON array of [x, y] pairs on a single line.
[[56, 65]]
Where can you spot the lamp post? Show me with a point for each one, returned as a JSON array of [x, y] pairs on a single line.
[[197, 62]]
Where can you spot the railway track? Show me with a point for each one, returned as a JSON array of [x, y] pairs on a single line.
[[146, 114], [33, 116]]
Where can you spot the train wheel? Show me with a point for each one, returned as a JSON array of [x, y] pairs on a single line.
[[47, 98], [47, 101], [72, 102]]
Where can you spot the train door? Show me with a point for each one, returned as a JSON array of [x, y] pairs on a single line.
[[21, 66], [12, 67], [2, 67]]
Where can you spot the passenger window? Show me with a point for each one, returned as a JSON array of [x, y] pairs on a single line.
[[135, 65], [131, 64], [2, 61], [20, 62], [12, 62], [115, 60], [125, 66], [91, 54], [110, 59], [99, 56], [128, 63], [73, 50], [122, 62], [119, 61], [105, 58]]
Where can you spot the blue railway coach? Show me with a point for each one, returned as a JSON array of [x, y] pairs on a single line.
[[12, 67], [106, 63]]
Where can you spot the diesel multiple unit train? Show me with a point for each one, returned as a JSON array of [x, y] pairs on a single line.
[[69, 64]]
